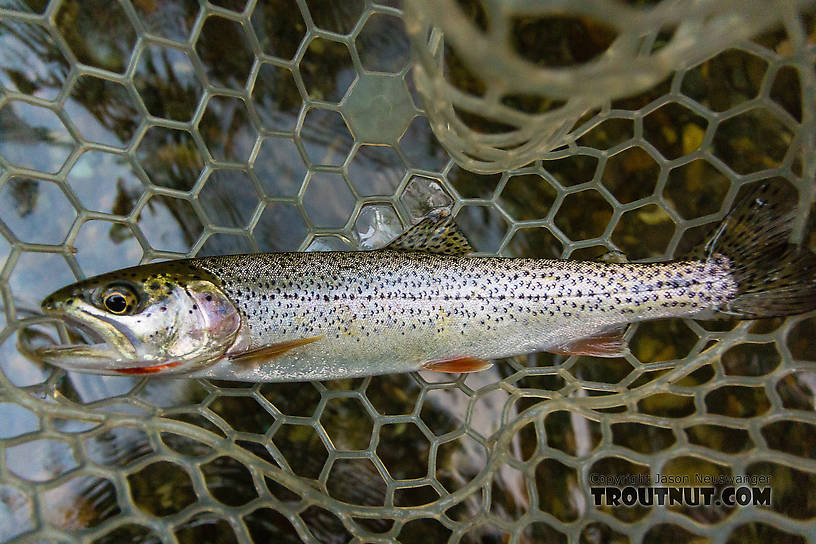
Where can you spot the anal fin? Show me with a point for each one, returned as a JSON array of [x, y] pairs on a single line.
[[272, 350], [608, 343], [457, 365]]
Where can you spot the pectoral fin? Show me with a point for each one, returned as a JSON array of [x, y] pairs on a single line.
[[457, 365], [273, 350], [609, 343]]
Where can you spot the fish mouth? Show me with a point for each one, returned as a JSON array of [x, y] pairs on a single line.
[[80, 332], [96, 344]]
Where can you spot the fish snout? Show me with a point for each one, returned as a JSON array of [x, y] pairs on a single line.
[[50, 305], [58, 302]]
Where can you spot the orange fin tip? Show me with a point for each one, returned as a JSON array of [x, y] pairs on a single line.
[[608, 343], [273, 350], [457, 365]]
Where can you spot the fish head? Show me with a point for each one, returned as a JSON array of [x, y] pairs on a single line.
[[167, 317]]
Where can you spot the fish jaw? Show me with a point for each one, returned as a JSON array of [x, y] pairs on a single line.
[[87, 358], [111, 350], [111, 345]]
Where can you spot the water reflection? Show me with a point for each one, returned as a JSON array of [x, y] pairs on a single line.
[[226, 129], [171, 19], [17, 420], [105, 182], [80, 503], [25, 6], [335, 16], [220, 243], [486, 227], [328, 243], [276, 98], [106, 246], [206, 527], [118, 447], [230, 67], [328, 200], [377, 225], [327, 70], [36, 211], [422, 195], [169, 224], [325, 137], [103, 111], [279, 167], [30, 61], [421, 146], [87, 388], [280, 228], [36, 275], [40, 460], [170, 158], [167, 83], [279, 36], [383, 44], [33, 137], [376, 170], [16, 511], [229, 198], [98, 32]]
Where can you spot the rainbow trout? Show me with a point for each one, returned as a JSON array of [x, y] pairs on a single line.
[[420, 303]]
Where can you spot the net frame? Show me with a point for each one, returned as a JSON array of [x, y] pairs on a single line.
[[69, 415]]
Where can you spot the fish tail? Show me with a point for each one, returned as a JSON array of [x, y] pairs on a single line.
[[774, 277]]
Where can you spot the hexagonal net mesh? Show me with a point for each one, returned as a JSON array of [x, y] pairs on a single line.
[[138, 130]]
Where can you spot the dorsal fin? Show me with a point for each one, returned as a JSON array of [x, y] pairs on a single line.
[[436, 233]]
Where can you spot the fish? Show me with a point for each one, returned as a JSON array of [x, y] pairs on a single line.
[[423, 302]]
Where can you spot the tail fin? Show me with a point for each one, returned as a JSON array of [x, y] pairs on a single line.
[[774, 278]]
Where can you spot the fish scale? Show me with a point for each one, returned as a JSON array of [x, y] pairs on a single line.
[[393, 311]]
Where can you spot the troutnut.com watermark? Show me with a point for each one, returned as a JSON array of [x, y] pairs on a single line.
[[680, 490]]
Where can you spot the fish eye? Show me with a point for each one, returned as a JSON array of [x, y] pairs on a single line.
[[119, 299]]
